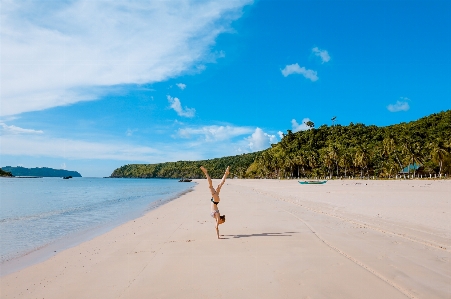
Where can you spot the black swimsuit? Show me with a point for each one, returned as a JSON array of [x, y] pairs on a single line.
[[216, 203]]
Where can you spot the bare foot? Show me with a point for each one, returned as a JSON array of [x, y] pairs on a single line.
[[227, 170], [203, 169]]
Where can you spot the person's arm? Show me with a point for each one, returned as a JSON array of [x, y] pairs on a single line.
[[217, 224]]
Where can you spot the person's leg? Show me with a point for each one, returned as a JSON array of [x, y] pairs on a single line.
[[226, 173], [204, 170]]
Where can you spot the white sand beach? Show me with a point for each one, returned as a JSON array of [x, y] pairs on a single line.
[[343, 239]]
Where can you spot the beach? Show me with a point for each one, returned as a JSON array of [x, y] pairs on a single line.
[[343, 239]]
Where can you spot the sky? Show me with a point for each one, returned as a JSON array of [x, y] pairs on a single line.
[[90, 85]]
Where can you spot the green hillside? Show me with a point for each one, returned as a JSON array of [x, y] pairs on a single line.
[[188, 169], [330, 151], [5, 173]]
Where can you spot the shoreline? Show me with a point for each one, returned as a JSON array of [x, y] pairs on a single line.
[[383, 239], [49, 250]]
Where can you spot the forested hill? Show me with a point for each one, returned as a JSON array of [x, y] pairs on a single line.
[[40, 171], [187, 169], [331, 151], [5, 173]]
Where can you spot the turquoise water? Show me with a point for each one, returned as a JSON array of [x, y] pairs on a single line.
[[36, 212]]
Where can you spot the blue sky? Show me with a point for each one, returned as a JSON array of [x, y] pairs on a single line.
[[93, 85]]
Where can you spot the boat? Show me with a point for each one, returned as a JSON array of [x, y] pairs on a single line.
[[67, 177], [185, 180], [311, 182]]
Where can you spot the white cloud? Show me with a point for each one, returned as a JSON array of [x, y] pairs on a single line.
[[18, 145], [260, 140], [204, 142], [399, 106], [218, 141], [181, 86], [214, 133], [323, 54], [296, 69], [280, 133], [54, 55], [177, 106], [299, 127], [130, 132], [13, 130]]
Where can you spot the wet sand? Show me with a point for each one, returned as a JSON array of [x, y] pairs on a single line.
[[344, 239]]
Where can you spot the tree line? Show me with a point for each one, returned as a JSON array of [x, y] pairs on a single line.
[[188, 169], [5, 173], [357, 150]]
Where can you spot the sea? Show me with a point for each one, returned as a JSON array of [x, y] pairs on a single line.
[[42, 216]]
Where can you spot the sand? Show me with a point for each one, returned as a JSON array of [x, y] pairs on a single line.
[[344, 239]]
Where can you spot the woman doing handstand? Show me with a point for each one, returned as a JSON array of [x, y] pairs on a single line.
[[215, 198]]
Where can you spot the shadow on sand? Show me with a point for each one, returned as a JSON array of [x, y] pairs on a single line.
[[285, 234]]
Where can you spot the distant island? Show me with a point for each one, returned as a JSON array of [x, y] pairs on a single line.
[[420, 148], [38, 172]]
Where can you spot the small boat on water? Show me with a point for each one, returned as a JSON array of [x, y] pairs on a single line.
[[67, 177], [311, 182], [185, 180]]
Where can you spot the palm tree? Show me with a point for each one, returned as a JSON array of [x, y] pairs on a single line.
[[289, 162], [390, 168], [391, 150], [310, 124], [334, 154], [345, 160], [240, 171], [413, 155], [312, 159], [326, 159], [263, 162], [300, 161], [438, 153], [361, 158]]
